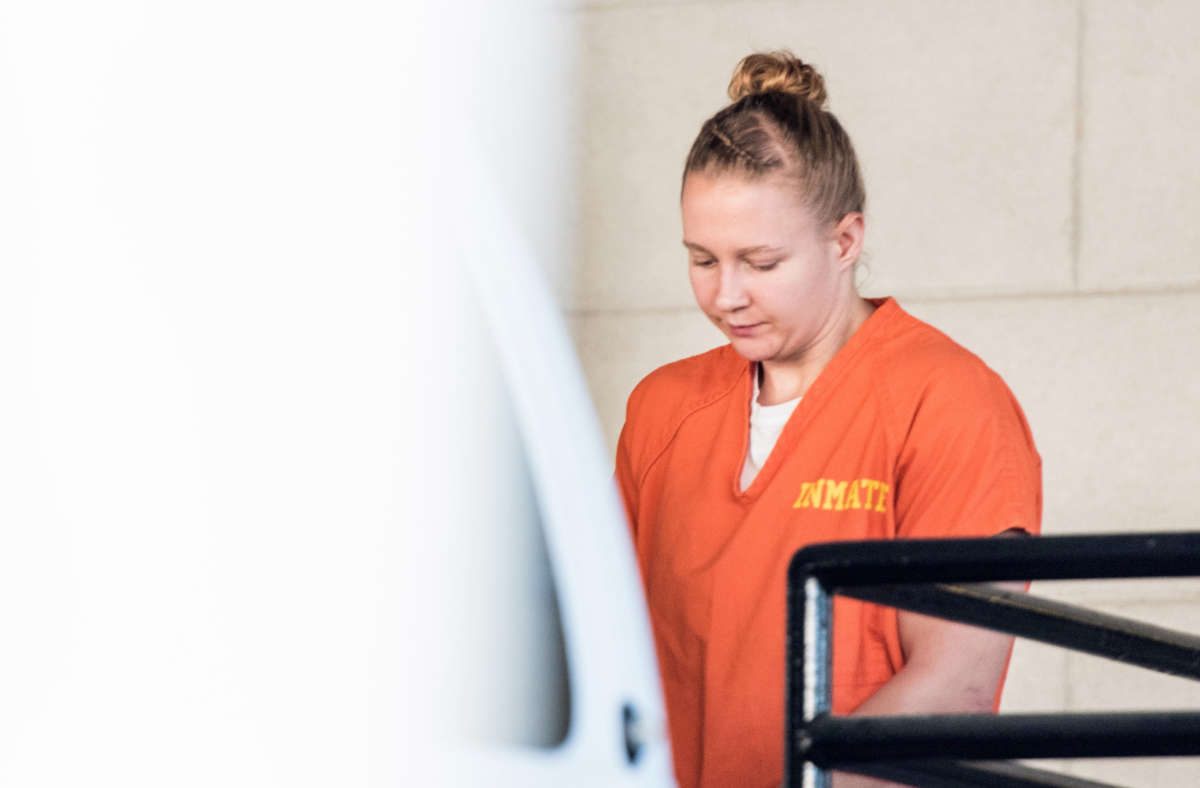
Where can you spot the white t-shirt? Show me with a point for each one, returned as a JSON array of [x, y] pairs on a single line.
[[766, 422]]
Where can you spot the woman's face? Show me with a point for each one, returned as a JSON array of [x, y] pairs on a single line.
[[762, 268]]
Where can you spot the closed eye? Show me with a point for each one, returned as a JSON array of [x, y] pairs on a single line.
[[703, 263]]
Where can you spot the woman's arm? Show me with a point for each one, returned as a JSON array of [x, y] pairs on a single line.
[[949, 668]]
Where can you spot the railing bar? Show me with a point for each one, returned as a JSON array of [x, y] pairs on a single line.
[[834, 742], [875, 562], [943, 570], [978, 774], [1048, 621]]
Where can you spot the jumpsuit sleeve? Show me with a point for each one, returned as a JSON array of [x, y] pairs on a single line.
[[629, 444], [626, 481], [968, 465]]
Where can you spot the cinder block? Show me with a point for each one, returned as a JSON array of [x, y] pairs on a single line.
[[1139, 772], [1103, 685], [1102, 594], [1097, 684], [1111, 387], [617, 349], [963, 116], [1140, 174], [1037, 679]]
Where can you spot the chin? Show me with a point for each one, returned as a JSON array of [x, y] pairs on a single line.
[[750, 350]]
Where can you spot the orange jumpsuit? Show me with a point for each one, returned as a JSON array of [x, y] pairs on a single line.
[[904, 434]]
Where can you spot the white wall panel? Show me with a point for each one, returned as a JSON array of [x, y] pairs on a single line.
[[1140, 177]]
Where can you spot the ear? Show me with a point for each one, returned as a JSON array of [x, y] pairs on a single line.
[[848, 238]]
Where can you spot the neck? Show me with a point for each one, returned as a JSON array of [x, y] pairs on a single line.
[[787, 379]]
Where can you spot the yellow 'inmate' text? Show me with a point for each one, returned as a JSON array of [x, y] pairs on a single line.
[[837, 496]]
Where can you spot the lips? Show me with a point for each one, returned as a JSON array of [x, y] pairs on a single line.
[[744, 330]]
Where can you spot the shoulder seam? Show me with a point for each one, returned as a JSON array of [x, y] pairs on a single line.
[[675, 431]]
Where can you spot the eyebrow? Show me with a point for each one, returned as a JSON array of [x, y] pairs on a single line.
[[740, 252]]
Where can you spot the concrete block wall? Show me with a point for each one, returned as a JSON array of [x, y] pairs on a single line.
[[1033, 185]]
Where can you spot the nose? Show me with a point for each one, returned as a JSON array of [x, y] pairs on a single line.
[[731, 290]]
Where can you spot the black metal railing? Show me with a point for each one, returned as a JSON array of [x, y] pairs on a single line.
[[941, 577]]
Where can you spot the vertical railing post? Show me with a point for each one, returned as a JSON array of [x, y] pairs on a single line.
[[816, 644]]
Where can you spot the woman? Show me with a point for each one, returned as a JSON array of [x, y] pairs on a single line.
[[828, 416]]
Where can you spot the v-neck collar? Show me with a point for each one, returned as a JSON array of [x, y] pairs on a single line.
[[818, 392]]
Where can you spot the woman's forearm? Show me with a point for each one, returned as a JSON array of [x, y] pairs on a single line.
[[956, 672]]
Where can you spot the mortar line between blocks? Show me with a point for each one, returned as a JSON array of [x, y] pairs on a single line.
[[1077, 152], [1162, 291]]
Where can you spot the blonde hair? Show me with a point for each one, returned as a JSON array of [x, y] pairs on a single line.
[[777, 122]]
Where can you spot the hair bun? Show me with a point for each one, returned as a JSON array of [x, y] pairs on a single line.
[[764, 72]]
